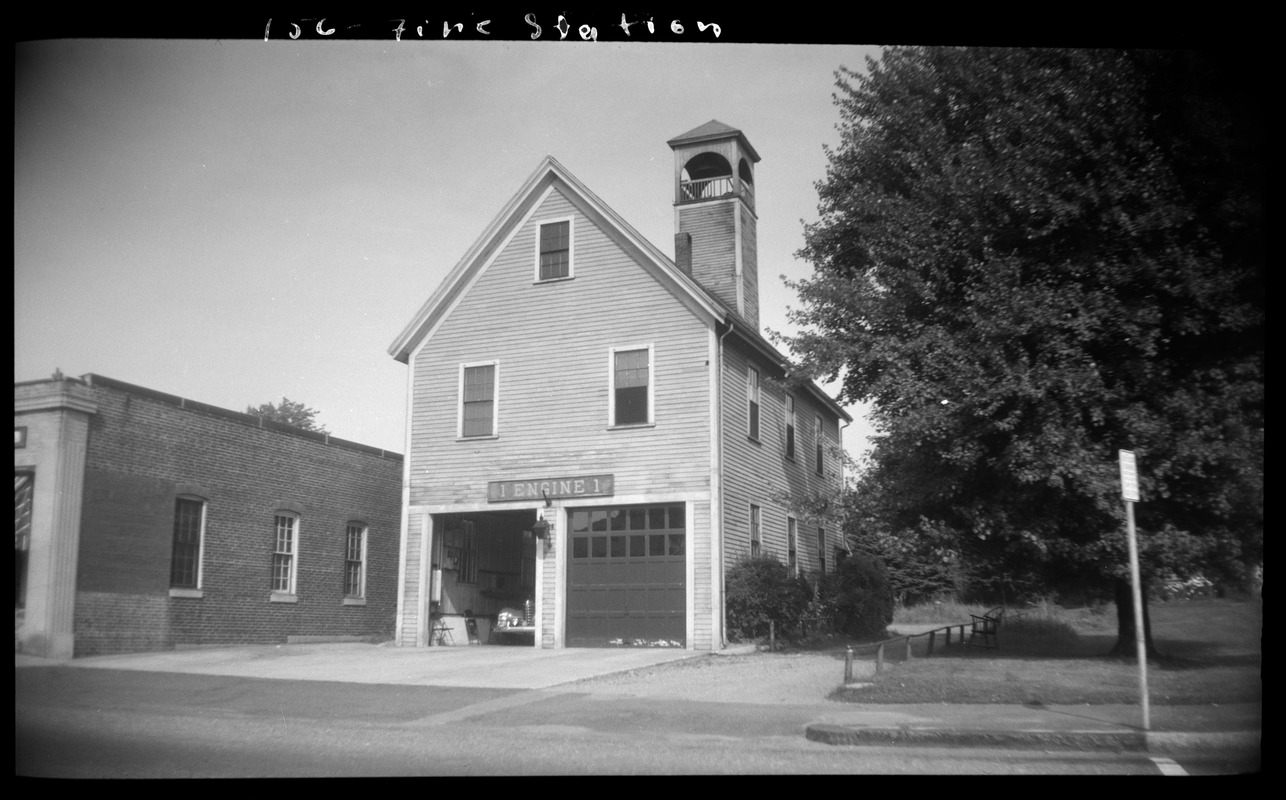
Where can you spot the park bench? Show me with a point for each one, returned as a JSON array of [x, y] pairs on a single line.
[[986, 628]]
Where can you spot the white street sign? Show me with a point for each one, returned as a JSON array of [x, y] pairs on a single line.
[[1129, 477]]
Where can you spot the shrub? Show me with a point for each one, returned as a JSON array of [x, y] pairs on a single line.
[[762, 590], [857, 596]]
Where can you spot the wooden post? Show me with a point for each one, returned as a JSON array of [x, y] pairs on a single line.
[[908, 648], [932, 634], [848, 665], [772, 636], [948, 642], [879, 659]]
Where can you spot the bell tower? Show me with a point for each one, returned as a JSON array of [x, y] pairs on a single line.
[[714, 214]]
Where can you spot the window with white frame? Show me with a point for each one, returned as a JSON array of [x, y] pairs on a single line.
[[631, 398], [752, 402], [792, 545], [285, 561], [790, 427], [355, 560], [756, 533], [189, 533], [478, 407], [554, 250], [821, 454]]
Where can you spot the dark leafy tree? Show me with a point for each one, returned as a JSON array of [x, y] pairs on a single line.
[[1029, 259], [289, 412]]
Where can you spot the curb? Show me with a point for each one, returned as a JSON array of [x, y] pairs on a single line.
[[1118, 741], [1168, 743]]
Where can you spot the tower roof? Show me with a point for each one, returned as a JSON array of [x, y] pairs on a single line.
[[714, 129]]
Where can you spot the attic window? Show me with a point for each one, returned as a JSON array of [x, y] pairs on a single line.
[[554, 251]]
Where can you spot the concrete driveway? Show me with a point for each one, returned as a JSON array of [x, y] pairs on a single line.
[[478, 666]]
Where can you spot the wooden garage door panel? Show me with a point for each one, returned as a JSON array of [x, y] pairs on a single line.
[[626, 576]]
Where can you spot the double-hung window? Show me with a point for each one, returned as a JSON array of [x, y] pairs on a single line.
[[478, 407], [355, 561], [752, 402], [756, 538], [792, 545], [631, 397], [821, 454], [189, 530], [285, 561], [790, 427], [554, 250]]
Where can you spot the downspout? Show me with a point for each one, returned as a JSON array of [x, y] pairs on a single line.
[[723, 558]]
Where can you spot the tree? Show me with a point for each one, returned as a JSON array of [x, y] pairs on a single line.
[[289, 412], [1029, 259]]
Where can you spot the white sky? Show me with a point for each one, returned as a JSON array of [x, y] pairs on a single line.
[[238, 221]]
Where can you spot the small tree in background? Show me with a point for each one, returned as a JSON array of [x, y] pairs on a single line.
[[857, 597], [762, 590], [289, 412]]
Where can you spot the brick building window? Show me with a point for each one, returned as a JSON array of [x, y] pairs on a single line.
[[285, 561], [752, 402], [189, 533], [355, 560], [756, 538]]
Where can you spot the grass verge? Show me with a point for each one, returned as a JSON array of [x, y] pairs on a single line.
[[1211, 654]]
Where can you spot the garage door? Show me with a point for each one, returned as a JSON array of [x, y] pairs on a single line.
[[625, 576]]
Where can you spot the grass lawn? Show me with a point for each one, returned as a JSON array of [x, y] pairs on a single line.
[[1210, 654]]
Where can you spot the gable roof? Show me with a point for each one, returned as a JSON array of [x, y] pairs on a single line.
[[551, 174]]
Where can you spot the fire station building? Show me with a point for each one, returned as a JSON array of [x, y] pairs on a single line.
[[597, 431]]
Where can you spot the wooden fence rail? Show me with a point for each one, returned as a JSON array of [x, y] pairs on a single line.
[[879, 646]]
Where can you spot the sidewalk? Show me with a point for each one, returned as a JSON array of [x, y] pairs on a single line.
[[1174, 729]]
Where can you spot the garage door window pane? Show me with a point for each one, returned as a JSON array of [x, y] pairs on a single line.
[[598, 547], [638, 546], [676, 544], [656, 544], [580, 547]]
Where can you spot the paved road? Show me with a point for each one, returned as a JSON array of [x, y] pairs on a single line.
[[73, 722]]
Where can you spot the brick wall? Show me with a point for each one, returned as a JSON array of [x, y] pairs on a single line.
[[145, 449]]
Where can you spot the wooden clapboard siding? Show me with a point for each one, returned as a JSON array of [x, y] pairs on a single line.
[[411, 606], [713, 229], [551, 342], [760, 473], [749, 266]]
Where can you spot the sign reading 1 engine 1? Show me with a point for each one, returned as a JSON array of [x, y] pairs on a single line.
[[552, 488]]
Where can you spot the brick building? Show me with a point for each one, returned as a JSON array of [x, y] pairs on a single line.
[[146, 521], [600, 430]]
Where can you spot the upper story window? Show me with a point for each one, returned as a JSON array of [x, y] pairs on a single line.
[[792, 545], [752, 402], [478, 407], [355, 560], [756, 533], [821, 453], [631, 397], [285, 553], [554, 250], [189, 533], [790, 427]]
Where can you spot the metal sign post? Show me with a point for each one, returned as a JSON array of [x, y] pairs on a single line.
[[1130, 492]]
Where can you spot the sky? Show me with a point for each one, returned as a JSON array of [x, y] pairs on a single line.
[[237, 221]]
